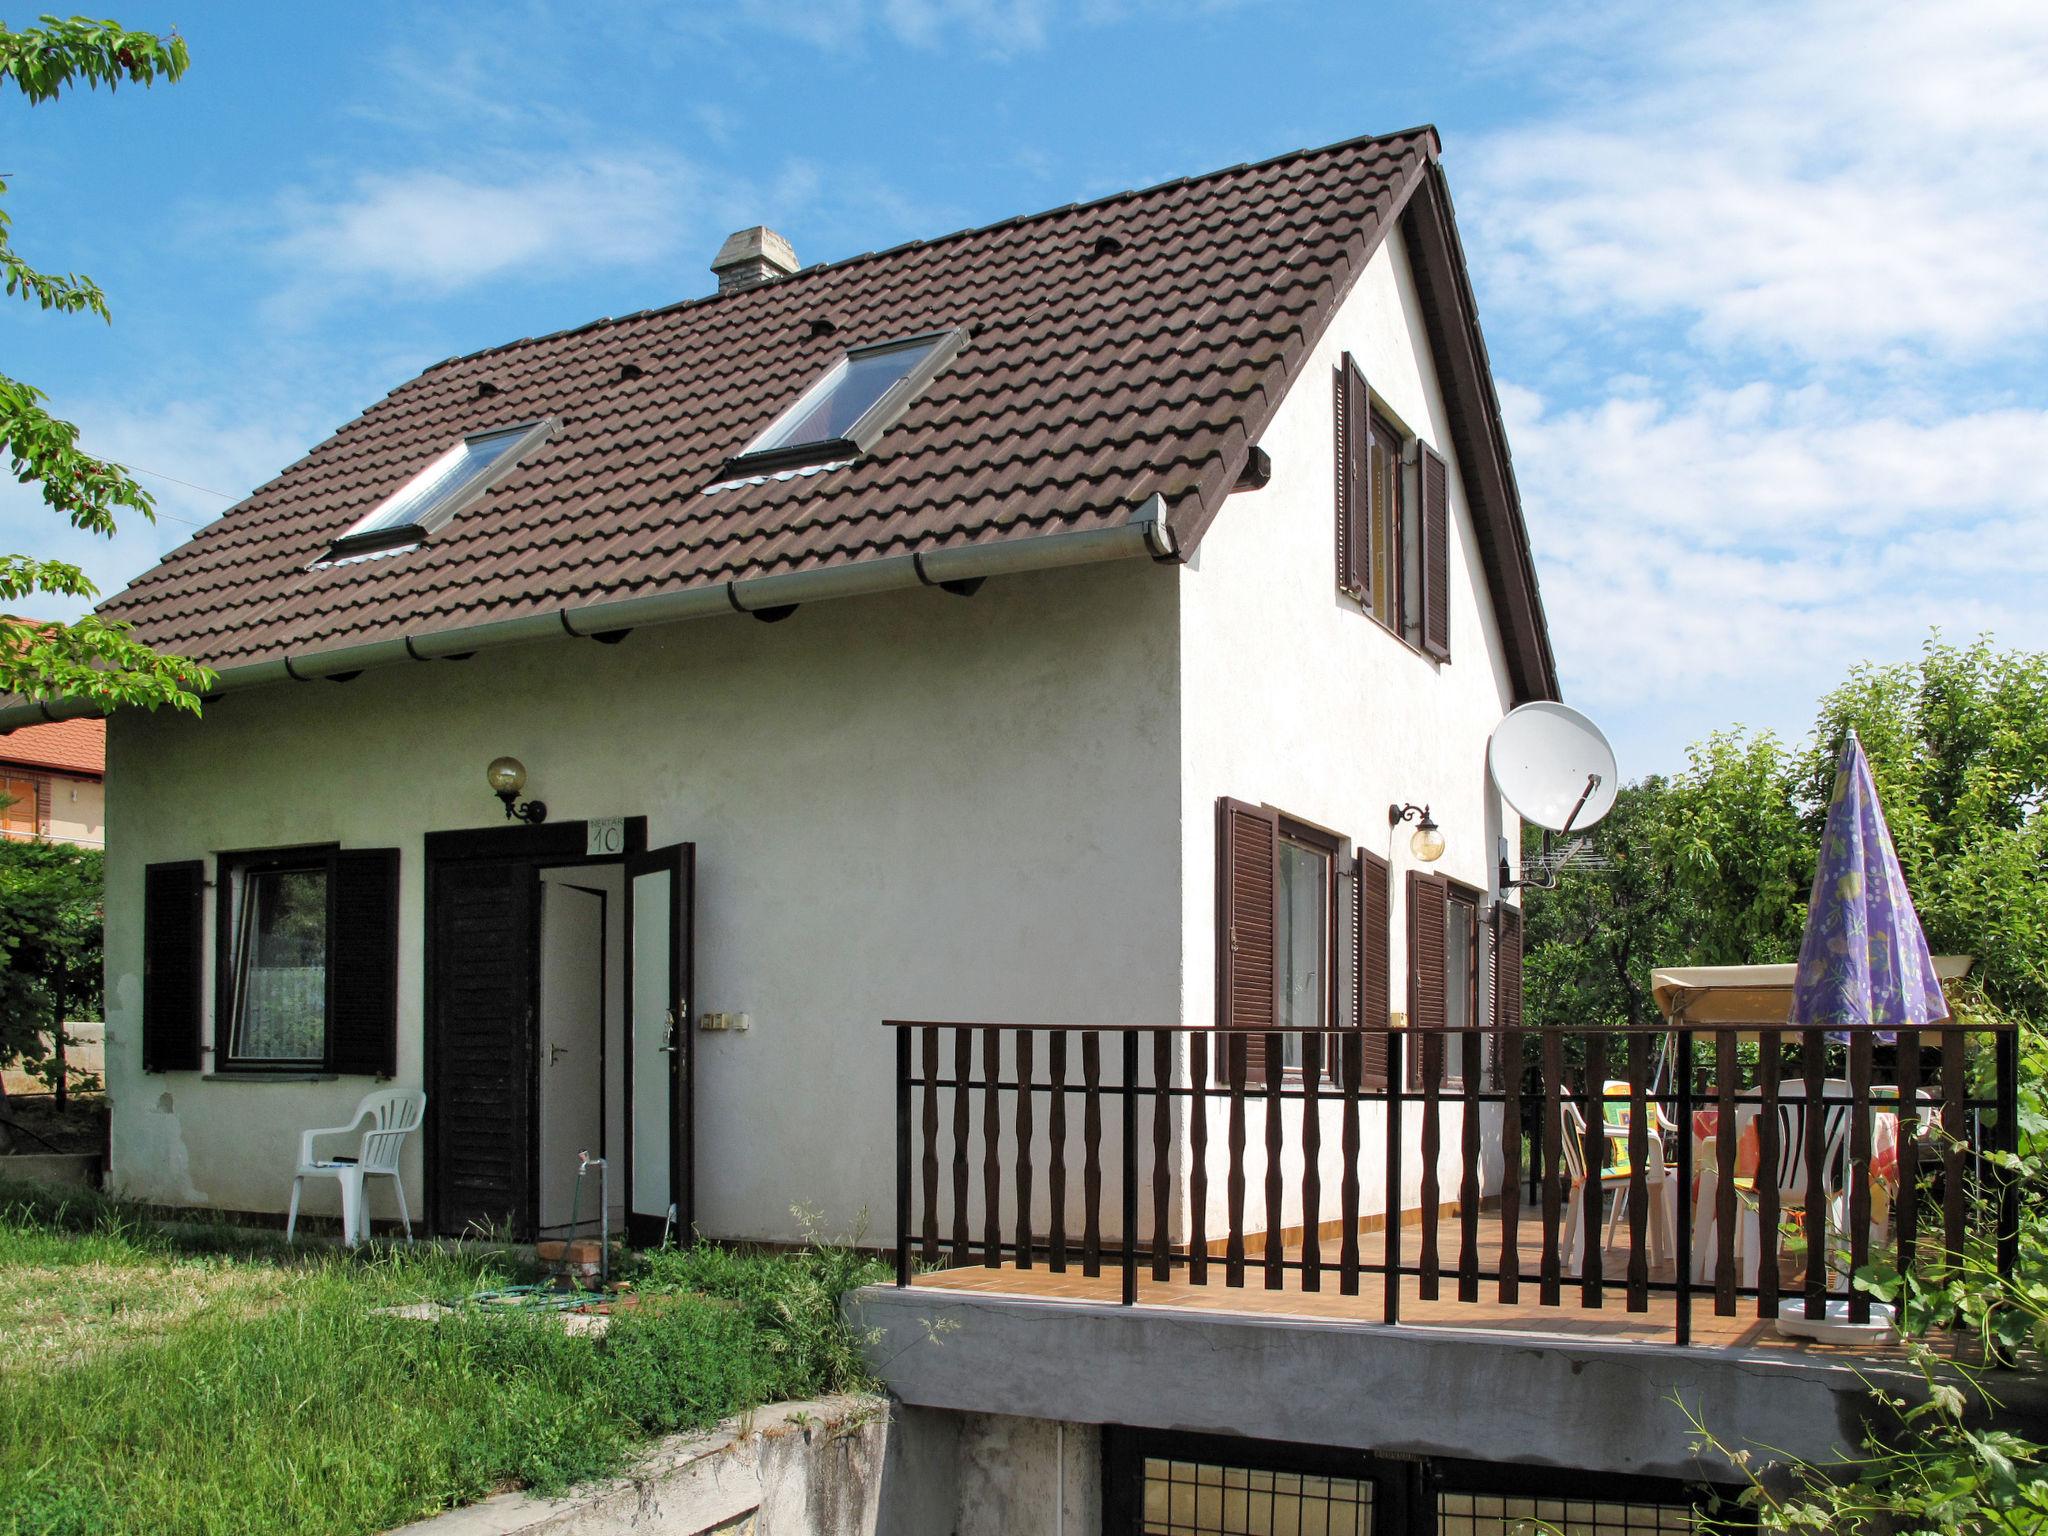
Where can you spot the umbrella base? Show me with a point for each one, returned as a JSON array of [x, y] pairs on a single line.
[[1835, 1327]]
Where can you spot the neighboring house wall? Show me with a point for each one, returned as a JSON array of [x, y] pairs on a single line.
[[62, 807], [1295, 698], [906, 805]]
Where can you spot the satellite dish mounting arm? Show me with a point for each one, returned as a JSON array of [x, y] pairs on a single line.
[[1549, 880]]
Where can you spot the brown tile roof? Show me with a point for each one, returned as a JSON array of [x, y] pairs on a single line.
[[63, 746], [1093, 380]]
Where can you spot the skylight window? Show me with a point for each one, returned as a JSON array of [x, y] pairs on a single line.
[[859, 398], [454, 480]]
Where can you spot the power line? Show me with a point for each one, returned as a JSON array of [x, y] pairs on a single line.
[[157, 474]]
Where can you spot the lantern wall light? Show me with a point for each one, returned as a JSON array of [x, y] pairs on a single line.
[[507, 776], [1427, 842]]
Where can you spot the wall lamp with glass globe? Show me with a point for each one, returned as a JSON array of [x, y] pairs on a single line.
[[507, 776], [1427, 842]]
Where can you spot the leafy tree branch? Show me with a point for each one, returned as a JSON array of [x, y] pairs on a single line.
[[89, 659]]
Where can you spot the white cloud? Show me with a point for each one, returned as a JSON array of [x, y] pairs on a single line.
[[436, 231], [1833, 182], [1728, 559], [1769, 272]]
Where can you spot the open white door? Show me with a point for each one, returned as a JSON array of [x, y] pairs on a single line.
[[659, 1040]]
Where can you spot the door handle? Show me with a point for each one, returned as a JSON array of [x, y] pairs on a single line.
[[556, 1053], [668, 1038]]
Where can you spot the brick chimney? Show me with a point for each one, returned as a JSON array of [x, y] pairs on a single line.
[[751, 257]]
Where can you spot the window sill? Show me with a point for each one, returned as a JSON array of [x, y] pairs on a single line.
[[253, 1076], [1401, 635]]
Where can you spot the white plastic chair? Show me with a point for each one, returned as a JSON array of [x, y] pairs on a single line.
[[394, 1114], [1582, 1225], [1752, 1243]]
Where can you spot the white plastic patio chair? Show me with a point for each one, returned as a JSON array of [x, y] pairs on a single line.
[[394, 1114], [1752, 1243], [1583, 1224]]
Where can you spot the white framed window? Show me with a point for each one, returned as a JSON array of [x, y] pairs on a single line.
[[277, 949], [859, 397], [442, 489]]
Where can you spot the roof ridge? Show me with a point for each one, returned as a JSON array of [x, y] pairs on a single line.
[[1426, 131]]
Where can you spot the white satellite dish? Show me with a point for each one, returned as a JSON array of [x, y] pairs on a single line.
[[1553, 766]]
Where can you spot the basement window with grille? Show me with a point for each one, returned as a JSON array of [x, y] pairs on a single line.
[[843, 414], [430, 498]]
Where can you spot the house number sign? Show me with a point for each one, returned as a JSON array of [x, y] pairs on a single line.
[[604, 835]]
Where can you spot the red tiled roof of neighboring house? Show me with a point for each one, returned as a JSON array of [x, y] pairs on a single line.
[[1098, 375], [62, 746]]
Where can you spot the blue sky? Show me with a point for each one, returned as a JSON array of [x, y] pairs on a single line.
[[1761, 282]]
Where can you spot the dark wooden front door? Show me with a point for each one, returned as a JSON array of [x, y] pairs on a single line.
[[480, 1045]]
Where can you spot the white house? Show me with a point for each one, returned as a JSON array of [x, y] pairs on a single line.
[[1033, 624]]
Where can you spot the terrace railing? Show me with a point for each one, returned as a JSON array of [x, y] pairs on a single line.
[[1367, 1161]]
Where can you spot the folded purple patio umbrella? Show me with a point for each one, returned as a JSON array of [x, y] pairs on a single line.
[[1864, 963]]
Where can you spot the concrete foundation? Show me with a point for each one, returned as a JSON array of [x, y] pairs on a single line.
[[840, 1466], [1544, 1401]]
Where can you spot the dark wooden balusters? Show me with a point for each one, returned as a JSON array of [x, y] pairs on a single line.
[[1128, 1233], [1859, 1169], [1351, 1068], [1091, 1153], [1056, 1148], [1233, 1253], [1023, 1118], [1276, 1208], [1727, 1138], [1162, 1162], [1472, 1074], [1769, 1161], [1638, 1174], [930, 1169], [991, 1155], [903, 1091], [1390, 1263], [963, 1071], [1311, 1162], [1510, 1266], [1552, 1165], [1432, 1054], [1813, 1052], [1198, 1158], [1593, 1227]]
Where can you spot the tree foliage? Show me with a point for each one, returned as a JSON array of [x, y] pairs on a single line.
[[89, 659], [52, 913], [1713, 865]]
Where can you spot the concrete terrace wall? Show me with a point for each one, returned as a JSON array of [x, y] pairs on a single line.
[[906, 805], [1293, 697]]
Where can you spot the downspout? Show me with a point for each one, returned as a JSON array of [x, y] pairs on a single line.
[[1144, 534]]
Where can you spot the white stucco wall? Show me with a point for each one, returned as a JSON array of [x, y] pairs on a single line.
[[1291, 696], [907, 805]]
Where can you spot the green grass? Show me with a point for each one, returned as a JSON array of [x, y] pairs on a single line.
[[157, 1378]]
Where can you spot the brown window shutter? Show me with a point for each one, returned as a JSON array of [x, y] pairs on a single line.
[[173, 964], [1428, 909], [1507, 977], [362, 963], [1374, 951], [1248, 921], [1355, 405], [1436, 554], [1340, 478]]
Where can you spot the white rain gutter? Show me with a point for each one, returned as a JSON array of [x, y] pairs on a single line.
[[1145, 534]]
